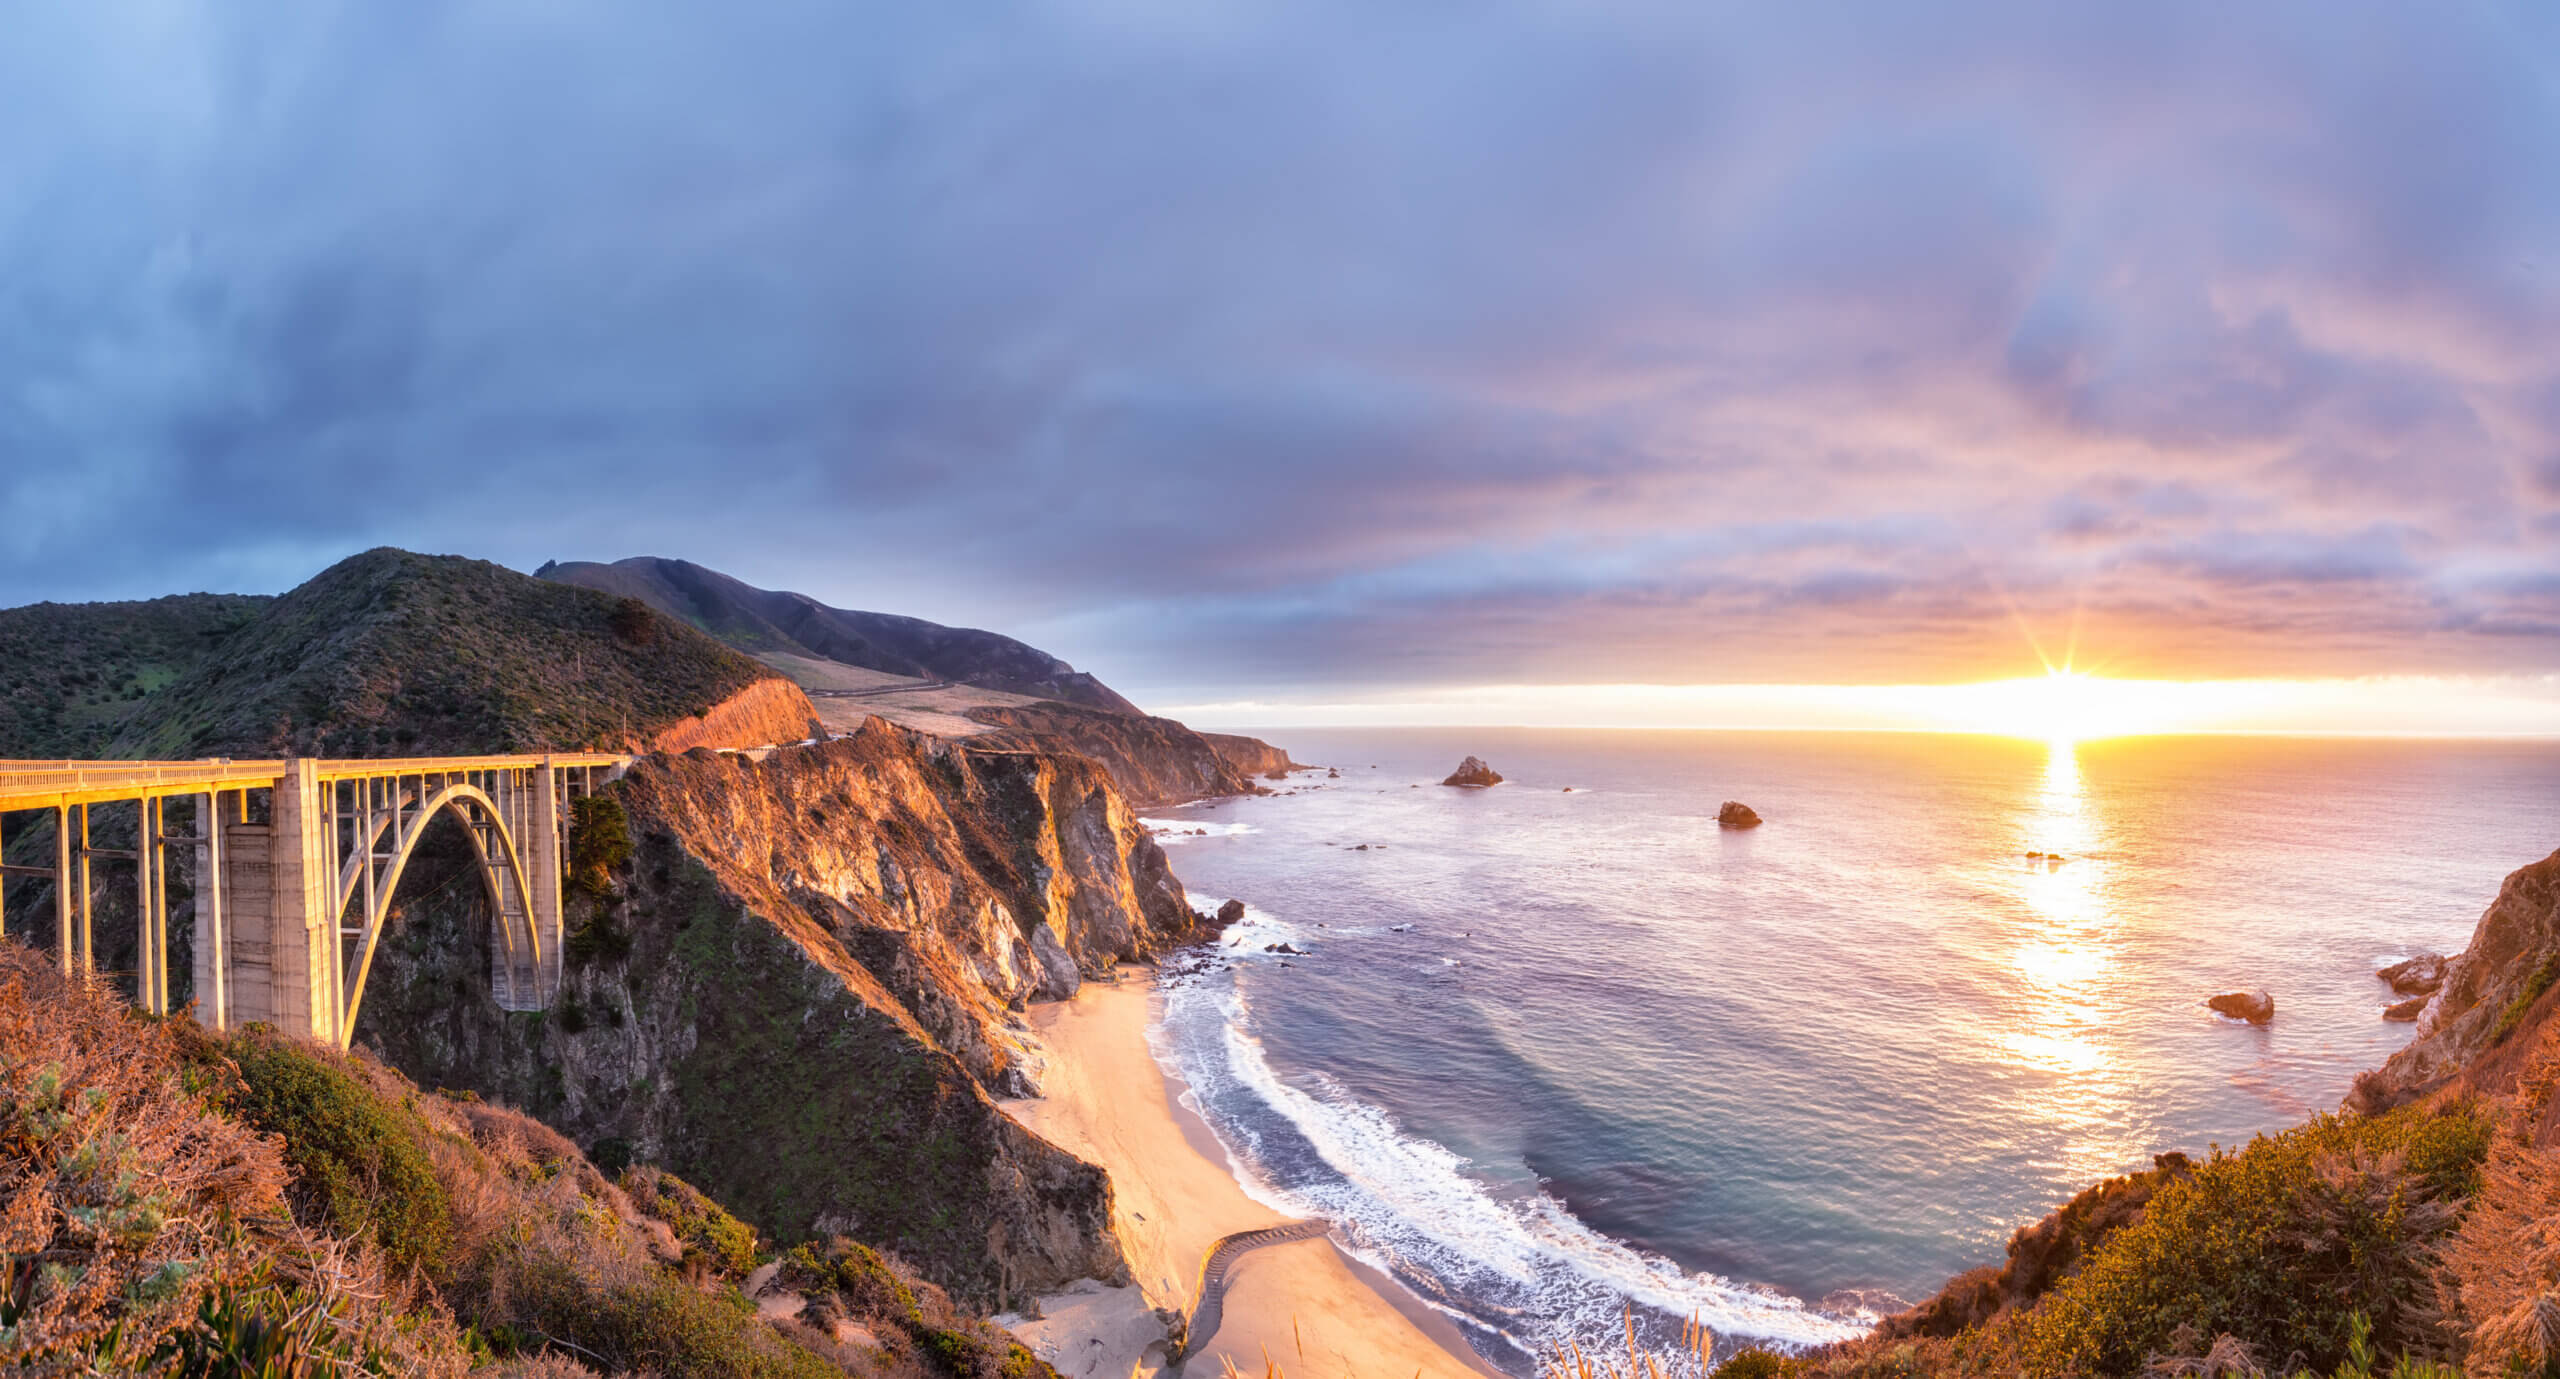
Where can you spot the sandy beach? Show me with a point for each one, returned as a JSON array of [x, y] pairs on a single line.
[[1306, 1306]]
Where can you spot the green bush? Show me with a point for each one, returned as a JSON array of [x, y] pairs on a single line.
[[599, 842], [359, 1162], [709, 1233], [2281, 1245], [2534, 986], [262, 1333], [857, 1272], [661, 1325], [1754, 1363]]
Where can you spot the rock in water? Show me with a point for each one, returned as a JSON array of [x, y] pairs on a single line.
[[1230, 912], [2405, 1011], [2256, 1007], [2419, 976], [1736, 814], [1473, 771]]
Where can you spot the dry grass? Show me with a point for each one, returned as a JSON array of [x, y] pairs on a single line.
[[2501, 1274], [134, 1219]]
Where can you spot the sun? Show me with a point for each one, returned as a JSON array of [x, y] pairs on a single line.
[[2061, 706]]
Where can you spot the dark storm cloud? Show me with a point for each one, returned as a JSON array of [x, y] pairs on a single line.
[[1365, 343]]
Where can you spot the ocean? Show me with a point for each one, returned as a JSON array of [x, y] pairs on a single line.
[[1553, 1057]]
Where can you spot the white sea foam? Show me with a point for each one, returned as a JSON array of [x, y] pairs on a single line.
[[1527, 1266], [1170, 832]]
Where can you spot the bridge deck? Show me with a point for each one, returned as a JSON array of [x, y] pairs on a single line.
[[48, 784]]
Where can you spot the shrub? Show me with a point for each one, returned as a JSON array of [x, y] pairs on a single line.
[[709, 1233], [261, 1332], [856, 1272], [599, 843], [2534, 986], [2279, 1246], [147, 1230], [359, 1161], [634, 623], [652, 1321], [1755, 1363]]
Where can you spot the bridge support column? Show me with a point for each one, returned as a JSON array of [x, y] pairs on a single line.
[[304, 934], [213, 932], [548, 827], [64, 911]]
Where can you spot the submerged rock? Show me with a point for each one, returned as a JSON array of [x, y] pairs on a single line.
[[2256, 1007], [2419, 976], [1473, 771], [1736, 814]]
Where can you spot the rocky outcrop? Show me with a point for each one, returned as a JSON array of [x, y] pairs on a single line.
[[1155, 761], [1250, 756], [761, 715], [2418, 976], [1736, 814], [2493, 992], [2256, 1007], [2404, 1012], [802, 993], [1474, 772]]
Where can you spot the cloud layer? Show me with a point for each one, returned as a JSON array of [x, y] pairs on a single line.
[[1380, 343]]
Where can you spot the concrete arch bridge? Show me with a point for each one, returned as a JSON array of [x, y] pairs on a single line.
[[294, 863]]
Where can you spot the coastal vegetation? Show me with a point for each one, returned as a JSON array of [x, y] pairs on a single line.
[[173, 1201]]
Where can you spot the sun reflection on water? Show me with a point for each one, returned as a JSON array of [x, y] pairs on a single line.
[[2062, 962]]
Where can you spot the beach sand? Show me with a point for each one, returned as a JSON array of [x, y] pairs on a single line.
[[1314, 1311]]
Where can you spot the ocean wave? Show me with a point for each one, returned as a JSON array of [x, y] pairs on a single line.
[[1172, 832], [1524, 1268]]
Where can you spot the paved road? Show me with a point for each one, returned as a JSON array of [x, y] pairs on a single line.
[[883, 689], [1209, 1308]]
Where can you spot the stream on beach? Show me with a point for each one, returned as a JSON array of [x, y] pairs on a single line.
[[1552, 1054]]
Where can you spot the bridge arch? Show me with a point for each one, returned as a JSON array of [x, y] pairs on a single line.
[[370, 878]]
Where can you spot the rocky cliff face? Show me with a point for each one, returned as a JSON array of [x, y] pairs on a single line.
[[2496, 993], [1156, 761], [803, 988], [1250, 756]]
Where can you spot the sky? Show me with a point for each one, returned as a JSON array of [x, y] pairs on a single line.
[[1294, 358]]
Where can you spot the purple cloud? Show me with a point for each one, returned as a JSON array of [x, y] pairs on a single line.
[[1366, 343]]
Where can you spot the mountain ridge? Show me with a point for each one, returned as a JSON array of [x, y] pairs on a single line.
[[761, 621]]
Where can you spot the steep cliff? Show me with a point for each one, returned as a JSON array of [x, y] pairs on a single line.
[[2496, 996], [801, 988], [1156, 761], [1250, 756]]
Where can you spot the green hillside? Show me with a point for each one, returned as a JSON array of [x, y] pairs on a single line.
[[72, 674], [385, 653], [389, 653]]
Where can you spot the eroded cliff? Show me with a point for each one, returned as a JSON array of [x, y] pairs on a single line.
[[2496, 994], [1156, 761], [802, 987]]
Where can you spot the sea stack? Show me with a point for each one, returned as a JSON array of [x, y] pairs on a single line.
[[1736, 814], [2256, 1007], [1473, 771]]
